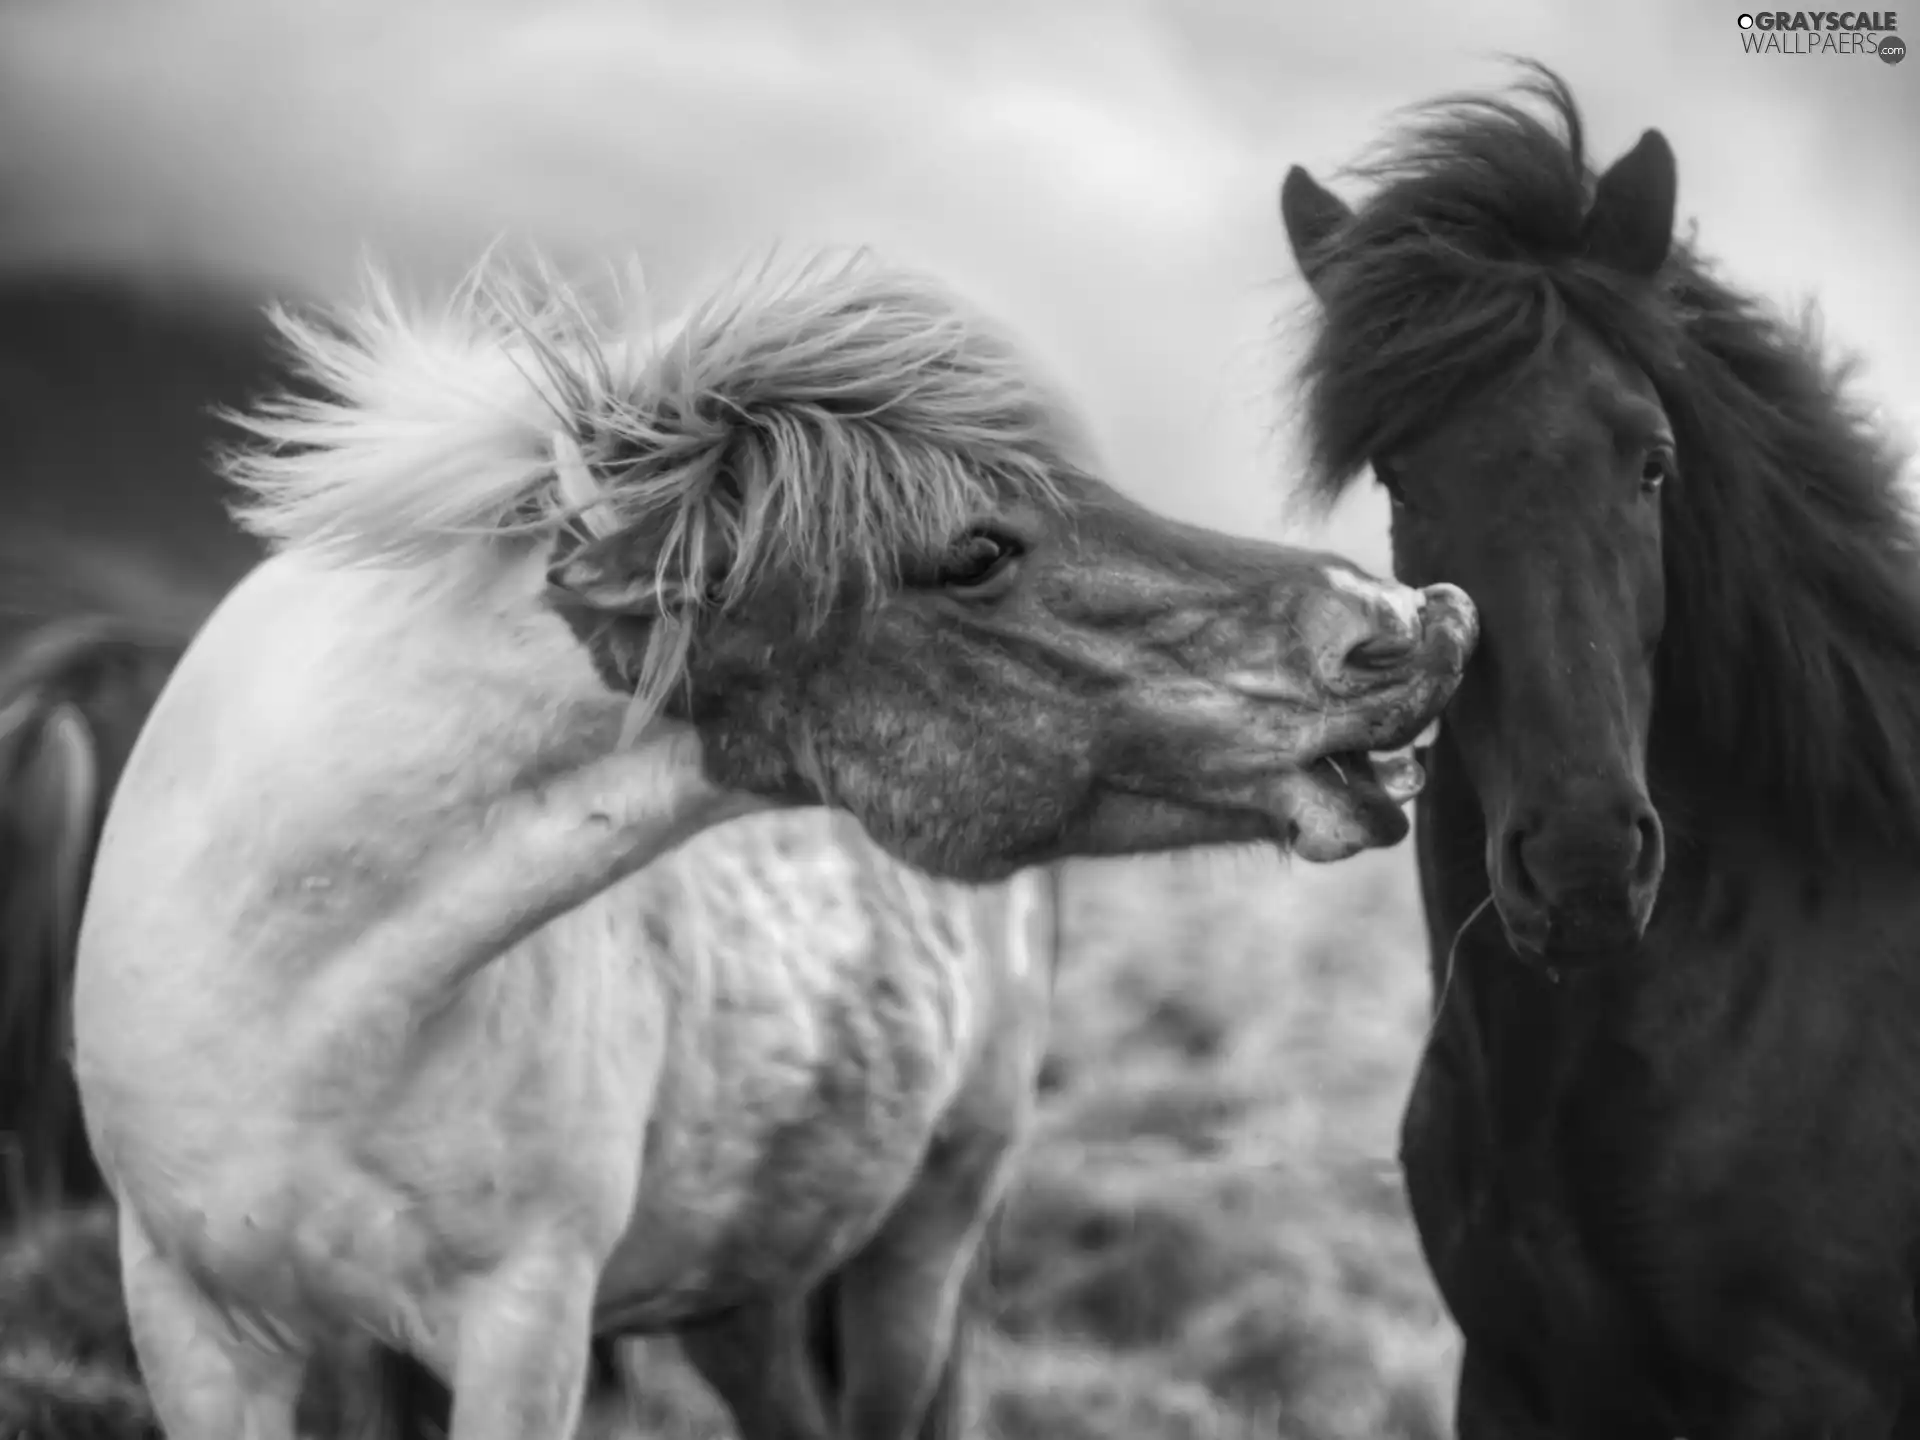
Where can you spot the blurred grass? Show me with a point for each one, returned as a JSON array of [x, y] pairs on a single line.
[[1209, 1240]]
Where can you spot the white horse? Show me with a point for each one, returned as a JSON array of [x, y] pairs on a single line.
[[388, 1040]]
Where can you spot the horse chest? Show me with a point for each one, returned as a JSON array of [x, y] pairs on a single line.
[[1505, 1233], [1662, 1240], [796, 1104]]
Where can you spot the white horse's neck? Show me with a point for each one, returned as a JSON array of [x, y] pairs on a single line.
[[491, 683], [399, 697], [386, 786]]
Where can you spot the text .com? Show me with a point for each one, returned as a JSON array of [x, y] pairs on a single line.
[[1823, 32]]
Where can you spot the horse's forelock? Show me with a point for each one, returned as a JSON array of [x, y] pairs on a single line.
[[1460, 267], [817, 421], [828, 420], [820, 424]]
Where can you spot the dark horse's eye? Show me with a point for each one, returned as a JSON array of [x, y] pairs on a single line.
[[976, 560], [1656, 469]]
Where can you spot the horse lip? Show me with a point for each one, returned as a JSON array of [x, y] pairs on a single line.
[[1556, 958], [1452, 609], [1427, 663], [1358, 738], [1248, 804], [1579, 958], [1453, 634]]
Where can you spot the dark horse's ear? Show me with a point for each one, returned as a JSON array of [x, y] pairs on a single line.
[[1630, 225], [1312, 214]]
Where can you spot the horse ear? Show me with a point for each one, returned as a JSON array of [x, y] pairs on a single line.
[[619, 574], [1312, 215], [612, 575], [1630, 225], [618, 571]]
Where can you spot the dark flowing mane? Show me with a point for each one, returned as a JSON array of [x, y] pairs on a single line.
[[1789, 674]]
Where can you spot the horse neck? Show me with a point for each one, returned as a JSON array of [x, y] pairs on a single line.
[[1819, 785], [410, 705], [487, 676], [1788, 676]]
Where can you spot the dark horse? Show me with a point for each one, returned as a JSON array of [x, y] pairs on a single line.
[[1664, 1149]]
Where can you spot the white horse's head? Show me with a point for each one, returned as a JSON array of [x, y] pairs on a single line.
[[840, 524]]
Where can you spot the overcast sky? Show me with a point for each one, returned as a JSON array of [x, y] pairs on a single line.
[[1103, 172]]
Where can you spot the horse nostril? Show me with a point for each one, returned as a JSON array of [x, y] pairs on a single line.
[[1379, 652], [1523, 881]]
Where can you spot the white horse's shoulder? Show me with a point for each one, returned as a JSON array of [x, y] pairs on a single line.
[[324, 728], [797, 916], [809, 885]]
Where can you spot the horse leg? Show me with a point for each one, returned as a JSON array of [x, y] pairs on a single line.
[[946, 1413], [899, 1312], [759, 1360], [207, 1380], [520, 1368]]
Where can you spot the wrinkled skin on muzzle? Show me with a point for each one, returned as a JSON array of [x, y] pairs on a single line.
[[1333, 821]]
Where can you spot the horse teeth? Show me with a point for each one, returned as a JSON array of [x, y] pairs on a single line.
[[1428, 735]]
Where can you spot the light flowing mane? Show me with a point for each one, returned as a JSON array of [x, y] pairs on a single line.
[[827, 417]]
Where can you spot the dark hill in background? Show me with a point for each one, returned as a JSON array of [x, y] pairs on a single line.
[[107, 427]]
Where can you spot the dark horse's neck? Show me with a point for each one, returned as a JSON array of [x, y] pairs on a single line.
[[1788, 683]]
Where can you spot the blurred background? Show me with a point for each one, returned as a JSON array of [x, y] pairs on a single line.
[[1210, 1241]]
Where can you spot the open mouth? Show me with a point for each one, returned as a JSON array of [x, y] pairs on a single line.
[[1376, 777], [1387, 777]]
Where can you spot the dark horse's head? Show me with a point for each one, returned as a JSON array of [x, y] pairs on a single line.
[[1646, 486], [1528, 469]]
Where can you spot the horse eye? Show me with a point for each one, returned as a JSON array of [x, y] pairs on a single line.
[[976, 559], [1656, 469]]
